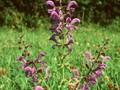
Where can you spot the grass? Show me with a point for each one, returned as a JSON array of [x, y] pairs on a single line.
[[86, 38]]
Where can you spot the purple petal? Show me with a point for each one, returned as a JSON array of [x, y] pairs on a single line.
[[98, 73], [54, 15], [75, 20], [60, 12], [70, 27], [72, 5], [38, 88], [50, 11], [68, 20], [50, 3], [101, 66], [29, 71], [92, 79]]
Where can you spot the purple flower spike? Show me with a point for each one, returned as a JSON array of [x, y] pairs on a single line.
[[50, 3], [72, 5], [38, 88], [54, 15], [75, 20]]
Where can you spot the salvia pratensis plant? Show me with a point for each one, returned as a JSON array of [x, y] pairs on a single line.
[[63, 24], [32, 68]]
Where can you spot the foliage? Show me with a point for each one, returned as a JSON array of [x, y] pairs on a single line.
[[98, 11]]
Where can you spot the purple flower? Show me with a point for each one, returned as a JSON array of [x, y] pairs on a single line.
[[92, 79], [98, 73], [68, 19], [75, 20], [38, 88], [70, 23], [101, 66], [50, 3], [51, 6], [29, 71], [72, 5], [55, 15]]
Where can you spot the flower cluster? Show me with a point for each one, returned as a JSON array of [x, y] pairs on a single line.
[[92, 78], [30, 67], [33, 68], [96, 66], [63, 23]]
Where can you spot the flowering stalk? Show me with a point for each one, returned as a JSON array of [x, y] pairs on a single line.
[[63, 24], [32, 68], [98, 66]]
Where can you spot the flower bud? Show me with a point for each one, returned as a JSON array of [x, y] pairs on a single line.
[[75, 20], [54, 15], [50, 3], [72, 5]]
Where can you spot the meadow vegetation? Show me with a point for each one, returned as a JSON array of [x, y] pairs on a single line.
[[87, 37], [61, 52]]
